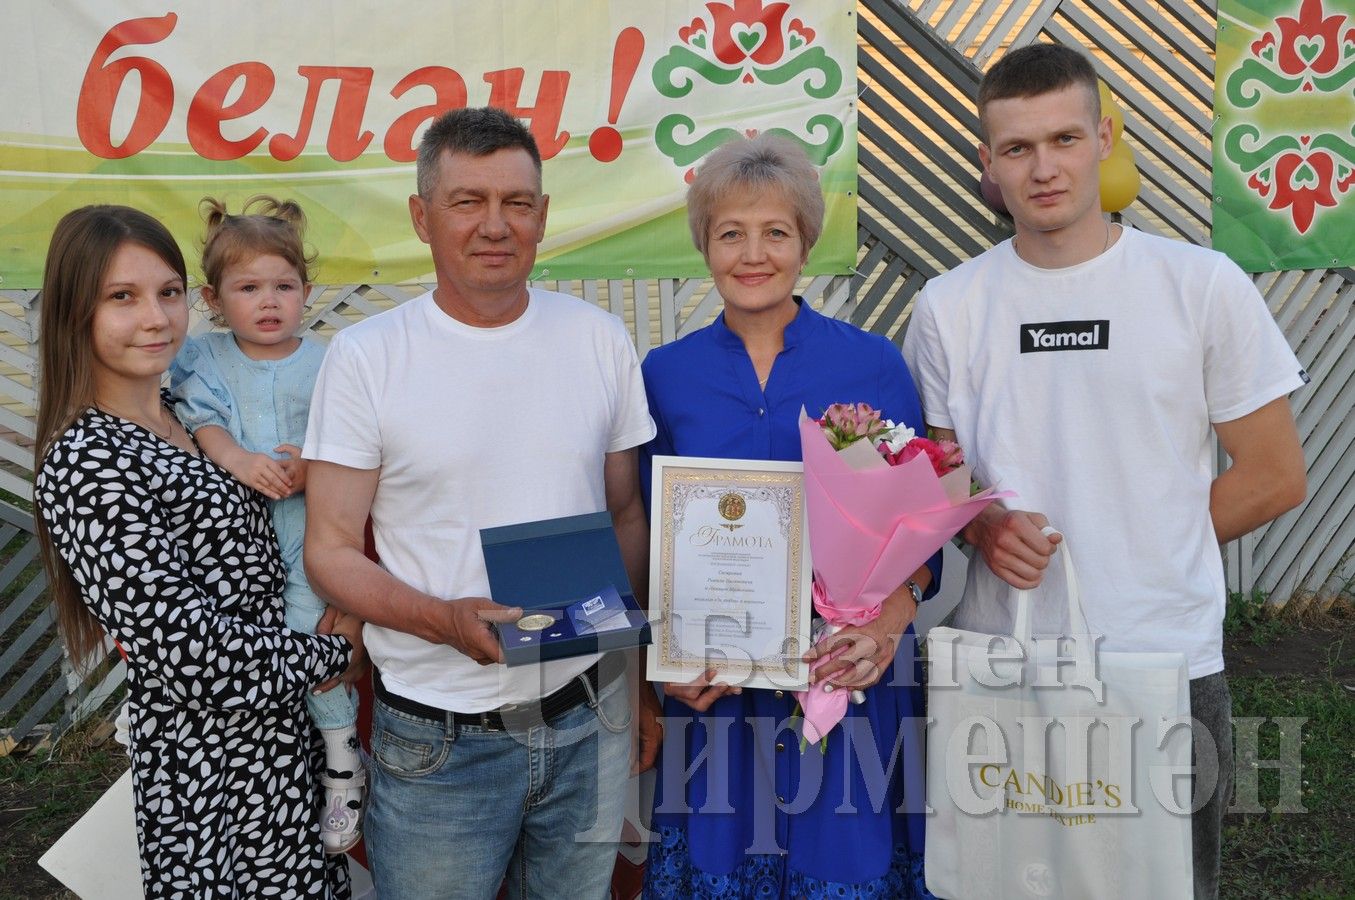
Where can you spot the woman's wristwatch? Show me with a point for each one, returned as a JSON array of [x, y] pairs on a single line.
[[916, 589]]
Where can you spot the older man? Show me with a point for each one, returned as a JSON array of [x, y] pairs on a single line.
[[483, 402]]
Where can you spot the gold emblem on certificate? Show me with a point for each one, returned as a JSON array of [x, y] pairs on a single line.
[[536, 622], [732, 506]]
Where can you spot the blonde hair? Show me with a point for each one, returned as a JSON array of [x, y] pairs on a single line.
[[264, 226], [766, 162], [81, 250]]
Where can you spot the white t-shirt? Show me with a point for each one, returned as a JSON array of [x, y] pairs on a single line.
[[472, 428], [1090, 391]]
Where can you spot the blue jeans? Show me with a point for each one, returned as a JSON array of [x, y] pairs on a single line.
[[455, 808]]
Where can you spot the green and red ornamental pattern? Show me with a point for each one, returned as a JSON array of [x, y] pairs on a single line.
[[1284, 136], [147, 107], [746, 42]]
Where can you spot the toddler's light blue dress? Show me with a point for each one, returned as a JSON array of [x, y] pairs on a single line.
[[262, 403]]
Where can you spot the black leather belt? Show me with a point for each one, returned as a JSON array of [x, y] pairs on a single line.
[[582, 688]]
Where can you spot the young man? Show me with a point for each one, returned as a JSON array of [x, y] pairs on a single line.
[[418, 420], [1083, 365]]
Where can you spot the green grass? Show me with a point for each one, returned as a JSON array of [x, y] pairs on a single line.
[[1307, 854], [1247, 616], [1265, 855], [41, 795], [1293, 854]]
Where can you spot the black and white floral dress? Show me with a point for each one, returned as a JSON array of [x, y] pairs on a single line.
[[179, 563]]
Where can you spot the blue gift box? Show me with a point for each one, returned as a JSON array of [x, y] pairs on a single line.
[[571, 570]]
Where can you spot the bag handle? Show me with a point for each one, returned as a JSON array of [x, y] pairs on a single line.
[[1076, 615]]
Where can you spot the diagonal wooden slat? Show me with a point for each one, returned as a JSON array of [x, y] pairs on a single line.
[[1187, 35], [1000, 34], [45, 704]]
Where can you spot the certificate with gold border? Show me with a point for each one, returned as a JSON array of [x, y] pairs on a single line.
[[729, 572]]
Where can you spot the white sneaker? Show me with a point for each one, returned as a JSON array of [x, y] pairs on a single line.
[[341, 825]]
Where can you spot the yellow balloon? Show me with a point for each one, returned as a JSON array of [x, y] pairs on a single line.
[[1110, 108], [1119, 178]]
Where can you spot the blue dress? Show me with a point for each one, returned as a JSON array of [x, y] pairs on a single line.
[[739, 810], [261, 403]]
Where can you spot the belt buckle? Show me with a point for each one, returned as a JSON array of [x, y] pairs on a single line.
[[513, 715]]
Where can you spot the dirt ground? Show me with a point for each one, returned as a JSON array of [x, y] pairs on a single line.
[[40, 797], [1316, 650], [39, 800]]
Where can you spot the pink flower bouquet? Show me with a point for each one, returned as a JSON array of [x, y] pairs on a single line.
[[881, 501]]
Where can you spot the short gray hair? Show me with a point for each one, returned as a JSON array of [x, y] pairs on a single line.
[[475, 131], [761, 163]]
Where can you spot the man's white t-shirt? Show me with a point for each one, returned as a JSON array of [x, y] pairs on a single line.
[[473, 428], [1090, 392]]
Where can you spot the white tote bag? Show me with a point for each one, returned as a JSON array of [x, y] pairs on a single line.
[[1049, 777]]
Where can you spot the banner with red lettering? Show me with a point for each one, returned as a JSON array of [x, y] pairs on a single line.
[[127, 101]]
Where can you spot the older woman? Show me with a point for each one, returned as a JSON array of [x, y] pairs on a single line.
[[751, 815]]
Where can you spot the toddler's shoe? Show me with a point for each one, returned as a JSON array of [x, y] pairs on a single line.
[[341, 826]]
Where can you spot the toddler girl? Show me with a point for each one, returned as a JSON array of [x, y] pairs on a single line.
[[246, 395]]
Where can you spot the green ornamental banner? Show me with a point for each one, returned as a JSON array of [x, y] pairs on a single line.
[[158, 105], [1284, 133]]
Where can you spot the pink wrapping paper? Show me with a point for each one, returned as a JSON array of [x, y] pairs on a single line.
[[870, 528]]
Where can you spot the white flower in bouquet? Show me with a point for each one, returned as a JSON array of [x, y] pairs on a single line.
[[895, 437]]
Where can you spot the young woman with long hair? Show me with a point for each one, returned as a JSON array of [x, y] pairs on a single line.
[[148, 542]]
